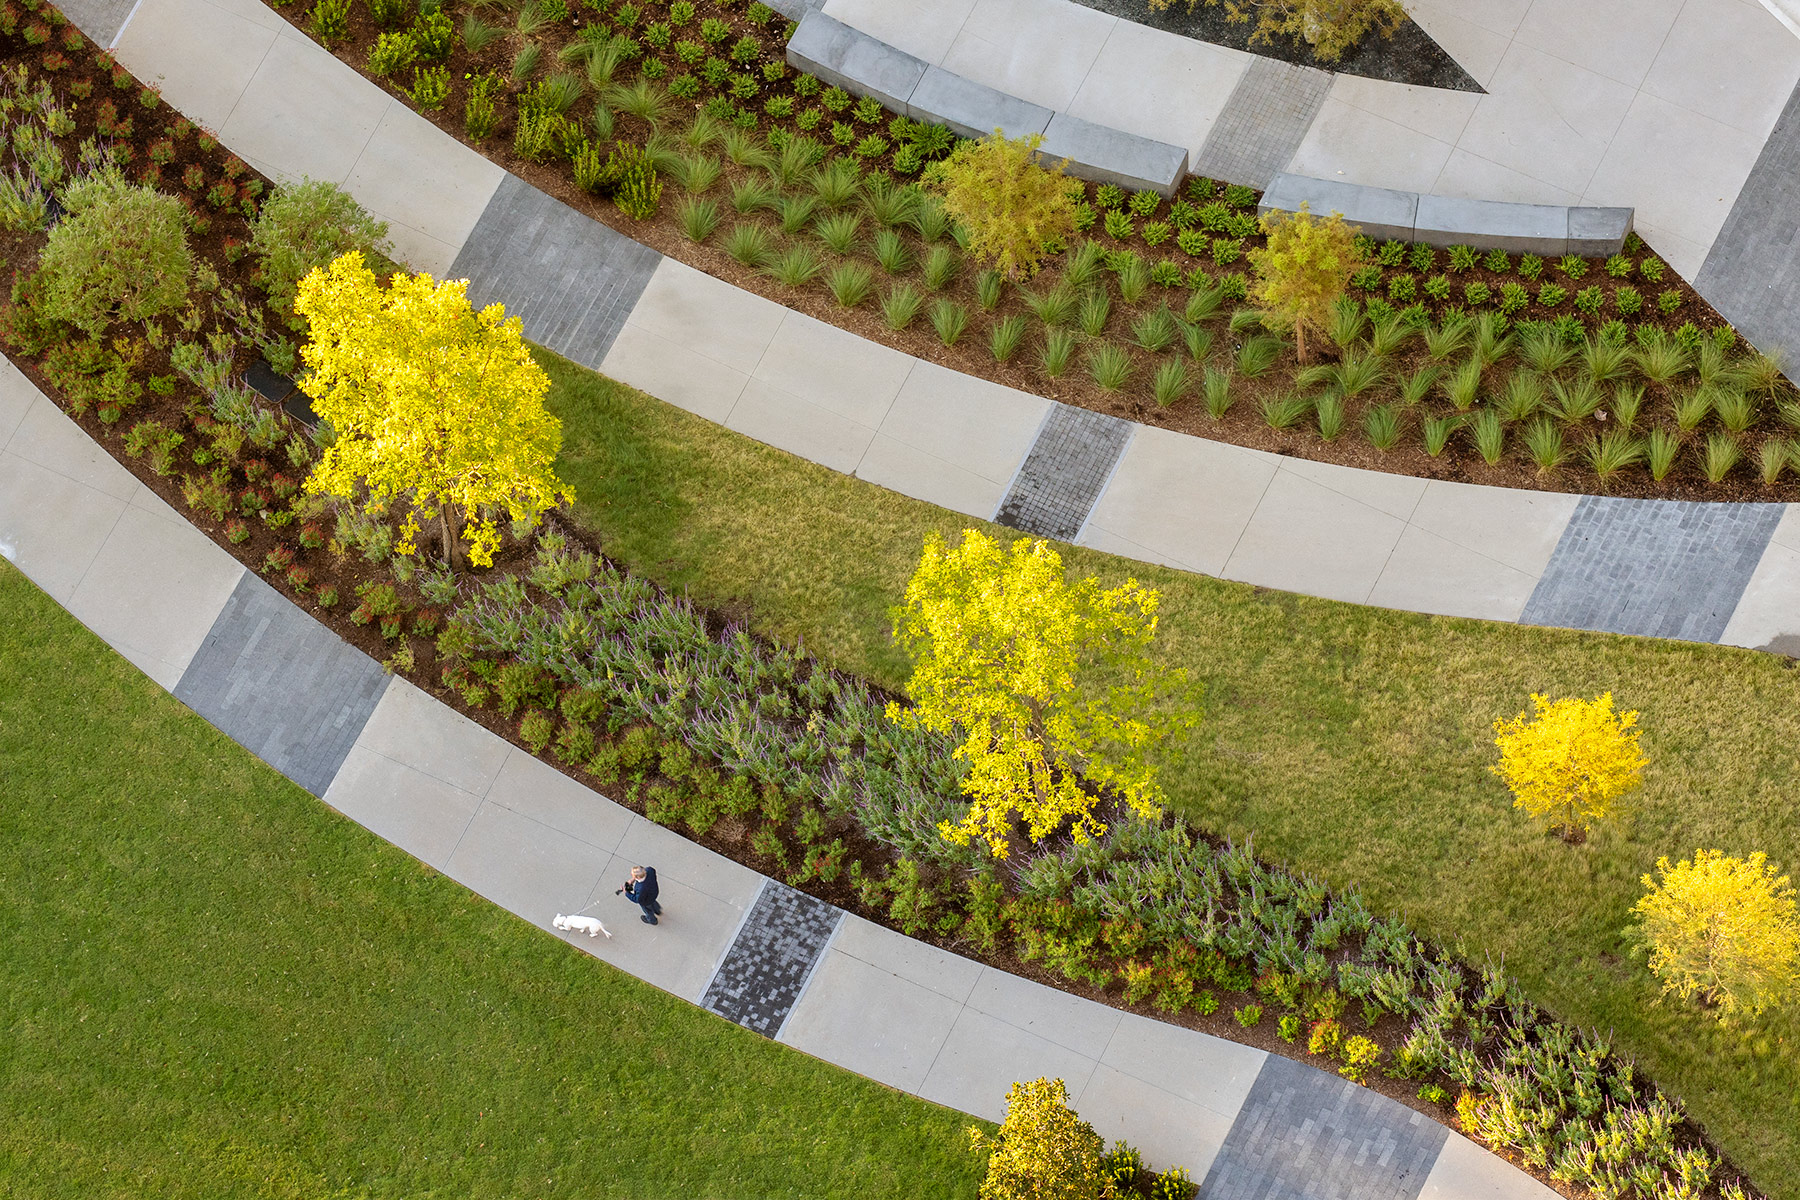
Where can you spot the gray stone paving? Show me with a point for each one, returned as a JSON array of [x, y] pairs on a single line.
[[1263, 123], [1064, 472], [1659, 568], [770, 959], [570, 279], [1305, 1135], [282, 685], [1752, 273]]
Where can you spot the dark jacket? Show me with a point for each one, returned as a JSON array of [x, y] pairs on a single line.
[[644, 890]]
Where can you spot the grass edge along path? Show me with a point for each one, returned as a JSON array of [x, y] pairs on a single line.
[[1352, 742], [215, 986]]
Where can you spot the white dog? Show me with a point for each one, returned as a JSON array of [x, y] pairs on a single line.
[[588, 925]]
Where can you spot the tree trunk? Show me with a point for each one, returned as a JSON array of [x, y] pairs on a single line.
[[1300, 341], [451, 541]]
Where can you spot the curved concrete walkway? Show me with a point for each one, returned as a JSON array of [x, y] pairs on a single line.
[[1705, 572], [535, 842]]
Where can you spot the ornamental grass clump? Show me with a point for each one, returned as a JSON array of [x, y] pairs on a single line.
[[1572, 763], [1722, 928], [1010, 205]]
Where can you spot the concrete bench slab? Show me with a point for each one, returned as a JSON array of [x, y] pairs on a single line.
[[1381, 213], [1492, 224], [1598, 232], [1112, 156], [854, 61], [971, 109]]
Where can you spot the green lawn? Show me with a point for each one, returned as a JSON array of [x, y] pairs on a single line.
[[1352, 742], [214, 987]]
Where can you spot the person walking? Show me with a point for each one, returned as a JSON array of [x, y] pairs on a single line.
[[641, 890]]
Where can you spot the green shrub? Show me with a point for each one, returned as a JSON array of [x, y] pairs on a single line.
[[307, 225], [122, 252]]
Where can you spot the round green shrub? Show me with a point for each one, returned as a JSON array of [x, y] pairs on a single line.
[[307, 225], [121, 253]]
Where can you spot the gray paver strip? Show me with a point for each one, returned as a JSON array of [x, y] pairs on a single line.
[[1066, 470], [1263, 123], [1660, 568]]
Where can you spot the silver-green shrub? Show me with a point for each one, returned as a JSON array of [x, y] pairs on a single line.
[[122, 252], [307, 225]]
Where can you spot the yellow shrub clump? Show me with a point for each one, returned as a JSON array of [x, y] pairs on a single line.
[[1044, 1150], [1723, 927], [1570, 764]]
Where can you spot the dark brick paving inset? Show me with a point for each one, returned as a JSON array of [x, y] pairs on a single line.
[[782, 937], [1752, 273], [569, 279], [1067, 468], [282, 685], [1263, 122], [1656, 568], [1306, 1135]]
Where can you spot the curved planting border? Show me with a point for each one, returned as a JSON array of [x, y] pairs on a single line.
[[843, 798]]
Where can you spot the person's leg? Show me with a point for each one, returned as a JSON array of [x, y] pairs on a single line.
[[649, 917]]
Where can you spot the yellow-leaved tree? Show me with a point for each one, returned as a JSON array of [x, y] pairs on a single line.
[[1570, 764], [1304, 268], [436, 407], [1011, 206], [1045, 682], [1723, 927], [1044, 1150]]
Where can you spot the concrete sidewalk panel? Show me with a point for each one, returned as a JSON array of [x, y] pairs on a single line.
[[681, 951], [1307, 538], [537, 790], [1204, 1070], [414, 729], [949, 975], [1513, 526], [1038, 50], [983, 427], [1139, 68], [299, 93], [1464, 1171], [1395, 495], [1185, 500], [1427, 574], [1081, 1025], [1766, 617], [52, 527], [202, 56], [417, 177], [153, 592], [528, 868], [984, 1056], [675, 372], [871, 1021], [17, 395], [681, 863], [899, 467], [419, 813], [783, 420], [689, 308], [922, 28], [46, 436], [833, 369], [1167, 1130]]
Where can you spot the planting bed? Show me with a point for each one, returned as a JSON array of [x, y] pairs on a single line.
[[796, 192], [757, 749]]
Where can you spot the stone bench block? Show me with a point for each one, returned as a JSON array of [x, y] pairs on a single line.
[[854, 61], [1111, 156], [971, 109], [1382, 214], [1598, 232], [1492, 224]]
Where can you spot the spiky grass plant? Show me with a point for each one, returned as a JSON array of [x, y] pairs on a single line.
[[750, 243], [942, 263], [1170, 383], [1215, 388], [1416, 386], [850, 283], [1612, 452], [1258, 354], [754, 193], [1096, 309], [1488, 432], [1462, 387], [698, 217], [1329, 414], [1383, 425], [1721, 454], [1007, 335], [1283, 410], [1198, 341], [1058, 348], [695, 173], [1110, 365], [1661, 447], [797, 266], [949, 319], [892, 252], [1544, 444], [1053, 307], [796, 212], [1155, 331], [1435, 432], [900, 305]]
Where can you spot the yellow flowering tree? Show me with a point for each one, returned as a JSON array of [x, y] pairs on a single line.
[[1570, 764], [1044, 1150], [1304, 268], [1044, 681], [1723, 927], [436, 407]]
